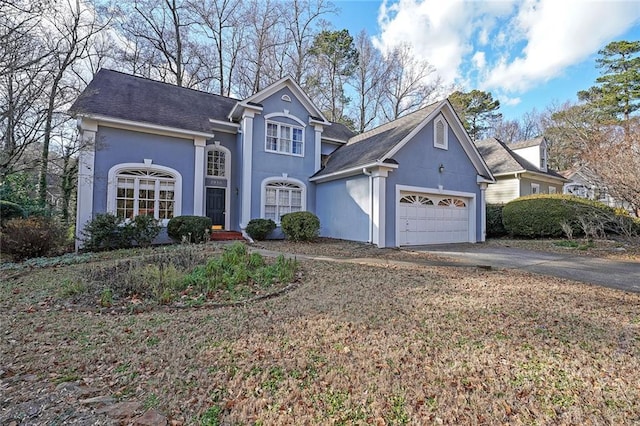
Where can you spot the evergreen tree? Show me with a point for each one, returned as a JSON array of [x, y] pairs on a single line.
[[617, 90], [477, 110]]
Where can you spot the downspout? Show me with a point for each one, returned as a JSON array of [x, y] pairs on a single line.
[[368, 173]]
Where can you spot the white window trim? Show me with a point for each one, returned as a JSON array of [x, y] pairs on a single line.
[[537, 187], [553, 190], [445, 145], [268, 120], [112, 185], [278, 179], [227, 161]]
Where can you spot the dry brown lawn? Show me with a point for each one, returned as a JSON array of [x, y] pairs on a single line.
[[351, 344]]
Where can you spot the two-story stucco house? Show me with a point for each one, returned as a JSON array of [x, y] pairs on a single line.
[[155, 148], [520, 168]]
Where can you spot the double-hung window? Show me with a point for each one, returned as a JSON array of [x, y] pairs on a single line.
[[281, 198], [284, 139]]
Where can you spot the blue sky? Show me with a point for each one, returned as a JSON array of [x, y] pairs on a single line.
[[528, 54]]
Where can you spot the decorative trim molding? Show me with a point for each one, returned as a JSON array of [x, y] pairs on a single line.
[[286, 179], [112, 184]]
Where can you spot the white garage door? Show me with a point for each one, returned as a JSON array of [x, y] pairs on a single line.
[[432, 219]]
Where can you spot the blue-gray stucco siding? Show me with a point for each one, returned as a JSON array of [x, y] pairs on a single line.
[[343, 207], [271, 165], [418, 163], [116, 146]]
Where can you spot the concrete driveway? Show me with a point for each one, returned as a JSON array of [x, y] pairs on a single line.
[[608, 273]]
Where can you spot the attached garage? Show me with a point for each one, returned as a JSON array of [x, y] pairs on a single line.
[[429, 218]]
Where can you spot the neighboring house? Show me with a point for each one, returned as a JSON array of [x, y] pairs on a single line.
[[585, 183], [519, 169], [155, 148]]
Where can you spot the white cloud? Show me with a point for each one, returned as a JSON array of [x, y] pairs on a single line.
[[507, 46], [479, 60], [559, 34]]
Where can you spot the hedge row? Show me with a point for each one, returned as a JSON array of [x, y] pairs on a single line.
[[557, 215]]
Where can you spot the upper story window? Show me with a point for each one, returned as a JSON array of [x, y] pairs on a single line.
[[216, 163], [284, 138], [440, 133]]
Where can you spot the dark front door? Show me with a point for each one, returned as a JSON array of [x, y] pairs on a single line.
[[215, 205]]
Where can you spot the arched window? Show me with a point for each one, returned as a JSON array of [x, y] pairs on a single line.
[[281, 196], [440, 133], [141, 189]]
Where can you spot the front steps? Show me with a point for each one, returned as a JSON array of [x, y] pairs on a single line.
[[226, 236]]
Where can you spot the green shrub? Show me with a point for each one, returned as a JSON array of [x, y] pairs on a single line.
[[106, 231], [31, 237], [495, 227], [300, 226], [259, 229], [143, 230], [193, 229], [548, 215], [9, 210]]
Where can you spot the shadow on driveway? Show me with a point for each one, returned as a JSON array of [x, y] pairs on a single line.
[[604, 272]]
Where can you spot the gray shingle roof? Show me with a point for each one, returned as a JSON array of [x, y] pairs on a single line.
[[527, 143], [124, 96], [373, 145], [501, 159], [337, 131], [118, 95]]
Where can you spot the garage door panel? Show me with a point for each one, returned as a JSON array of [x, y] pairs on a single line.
[[425, 218]]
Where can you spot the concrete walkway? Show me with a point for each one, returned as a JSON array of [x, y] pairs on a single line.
[[604, 272]]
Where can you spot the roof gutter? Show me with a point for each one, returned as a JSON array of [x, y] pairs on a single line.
[[352, 171], [150, 128]]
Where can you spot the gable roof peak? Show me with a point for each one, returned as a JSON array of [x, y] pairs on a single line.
[[291, 84]]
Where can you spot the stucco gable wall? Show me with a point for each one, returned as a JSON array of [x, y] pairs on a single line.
[[268, 164], [418, 163], [116, 146]]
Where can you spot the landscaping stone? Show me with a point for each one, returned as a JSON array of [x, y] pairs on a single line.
[[151, 418], [98, 400], [121, 410]]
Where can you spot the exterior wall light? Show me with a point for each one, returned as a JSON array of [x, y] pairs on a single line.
[[441, 168]]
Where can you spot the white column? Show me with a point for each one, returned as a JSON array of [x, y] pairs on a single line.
[[199, 144], [483, 212], [318, 145], [86, 164], [379, 206], [247, 153]]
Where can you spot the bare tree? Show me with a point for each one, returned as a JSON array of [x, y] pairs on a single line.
[[69, 30], [158, 42], [411, 83], [529, 126], [368, 81], [23, 72], [613, 153], [265, 38], [303, 18], [219, 21]]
